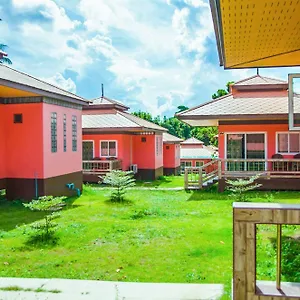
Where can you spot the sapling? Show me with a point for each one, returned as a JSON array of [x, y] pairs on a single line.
[[120, 181], [240, 186], [50, 204]]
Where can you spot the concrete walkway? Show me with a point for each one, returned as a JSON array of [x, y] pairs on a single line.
[[105, 290]]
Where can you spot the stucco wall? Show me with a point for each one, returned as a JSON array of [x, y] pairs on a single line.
[[60, 162], [23, 142], [171, 156]]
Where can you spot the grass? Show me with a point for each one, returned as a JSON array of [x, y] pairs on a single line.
[[157, 236], [15, 288], [163, 182]]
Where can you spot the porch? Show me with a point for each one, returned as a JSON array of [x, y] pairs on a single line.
[[274, 174], [92, 169]]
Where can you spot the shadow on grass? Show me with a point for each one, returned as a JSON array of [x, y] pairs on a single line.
[[290, 267], [154, 183], [125, 202], [14, 214], [37, 241], [210, 193]]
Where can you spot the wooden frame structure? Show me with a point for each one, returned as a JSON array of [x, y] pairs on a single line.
[[245, 218]]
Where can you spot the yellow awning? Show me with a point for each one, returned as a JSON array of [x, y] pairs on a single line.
[[257, 33]]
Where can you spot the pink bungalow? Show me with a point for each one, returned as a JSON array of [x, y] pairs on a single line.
[[40, 135], [193, 153], [171, 154], [254, 135], [116, 139]]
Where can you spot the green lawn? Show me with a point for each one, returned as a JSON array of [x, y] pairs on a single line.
[[164, 182], [158, 236]]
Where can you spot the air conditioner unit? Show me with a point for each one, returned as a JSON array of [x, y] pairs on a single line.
[[134, 168]]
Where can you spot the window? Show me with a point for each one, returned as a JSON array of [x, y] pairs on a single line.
[[87, 150], [53, 132], [199, 163], [108, 148], [158, 145], [18, 118], [288, 142], [74, 133], [65, 133], [185, 164]]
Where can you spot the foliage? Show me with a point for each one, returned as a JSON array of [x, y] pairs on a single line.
[[180, 129], [240, 186], [182, 108], [46, 227], [3, 58], [222, 92], [120, 181]]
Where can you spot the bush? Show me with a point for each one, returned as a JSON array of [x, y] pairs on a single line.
[[46, 227], [120, 181], [240, 186]]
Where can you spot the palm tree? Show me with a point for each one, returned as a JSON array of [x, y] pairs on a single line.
[[3, 55]]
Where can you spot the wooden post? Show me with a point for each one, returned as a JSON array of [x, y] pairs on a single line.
[[186, 177], [219, 169], [200, 179], [278, 265]]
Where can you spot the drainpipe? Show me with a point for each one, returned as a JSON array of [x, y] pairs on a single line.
[[71, 186], [36, 185]]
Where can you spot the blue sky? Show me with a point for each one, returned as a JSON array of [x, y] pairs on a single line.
[[152, 55]]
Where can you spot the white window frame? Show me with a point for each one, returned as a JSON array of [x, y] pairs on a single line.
[[108, 148], [93, 145], [288, 133], [292, 126], [158, 145]]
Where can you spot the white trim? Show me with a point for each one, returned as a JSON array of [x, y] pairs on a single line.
[[291, 113], [245, 143], [288, 133], [93, 146], [108, 148]]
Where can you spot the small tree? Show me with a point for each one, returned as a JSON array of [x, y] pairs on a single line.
[[240, 186], [120, 181], [46, 204]]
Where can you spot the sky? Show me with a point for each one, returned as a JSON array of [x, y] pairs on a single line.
[[152, 55]]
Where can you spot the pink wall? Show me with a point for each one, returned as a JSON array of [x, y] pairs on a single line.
[[258, 93], [124, 143], [24, 143], [61, 162], [3, 143], [171, 156], [144, 152], [130, 149], [269, 129]]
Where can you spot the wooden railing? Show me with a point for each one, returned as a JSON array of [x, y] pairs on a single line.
[[100, 166], [266, 168], [196, 177]]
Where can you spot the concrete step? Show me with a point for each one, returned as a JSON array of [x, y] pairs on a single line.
[[106, 290]]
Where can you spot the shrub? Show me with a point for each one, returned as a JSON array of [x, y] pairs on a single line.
[[240, 186], [120, 181], [46, 227]]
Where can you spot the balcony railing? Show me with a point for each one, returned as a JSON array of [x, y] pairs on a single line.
[[100, 166]]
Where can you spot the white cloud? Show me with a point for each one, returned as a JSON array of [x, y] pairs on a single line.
[[50, 10], [59, 80], [196, 3]]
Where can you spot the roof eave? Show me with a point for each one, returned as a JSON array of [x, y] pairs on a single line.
[[235, 117], [27, 88], [216, 16]]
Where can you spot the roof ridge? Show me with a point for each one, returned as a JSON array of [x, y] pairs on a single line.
[[126, 113], [245, 79], [23, 73], [203, 104]]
